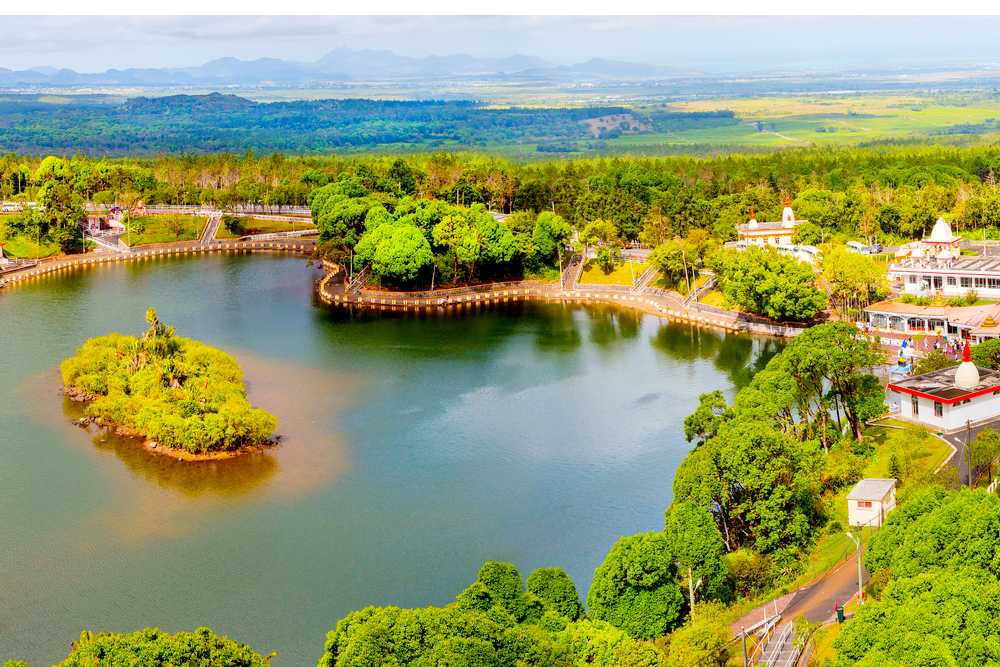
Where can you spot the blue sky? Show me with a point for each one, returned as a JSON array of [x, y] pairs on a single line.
[[717, 43]]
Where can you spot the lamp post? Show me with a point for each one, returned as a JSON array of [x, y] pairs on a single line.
[[857, 544]]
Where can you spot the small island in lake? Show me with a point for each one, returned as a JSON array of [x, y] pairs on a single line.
[[184, 397]]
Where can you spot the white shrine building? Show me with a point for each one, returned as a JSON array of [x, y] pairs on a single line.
[[936, 266], [947, 399], [770, 233]]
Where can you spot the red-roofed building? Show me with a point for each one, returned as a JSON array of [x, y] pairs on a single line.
[[948, 399]]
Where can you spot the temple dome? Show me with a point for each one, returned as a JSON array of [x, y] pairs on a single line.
[[941, 232], [966, 375]]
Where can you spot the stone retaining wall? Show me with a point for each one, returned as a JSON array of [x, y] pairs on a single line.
[[447, 300], [69, 262]]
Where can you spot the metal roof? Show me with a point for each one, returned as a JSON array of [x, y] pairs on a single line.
[[871, 488], [940, 384]]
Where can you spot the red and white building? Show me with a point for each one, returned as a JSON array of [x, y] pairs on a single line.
[[948, 399]]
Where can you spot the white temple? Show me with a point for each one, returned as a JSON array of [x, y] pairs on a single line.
[[935, 266], [778, 233]]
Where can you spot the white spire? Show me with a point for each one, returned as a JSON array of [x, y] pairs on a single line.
[[966, 375]]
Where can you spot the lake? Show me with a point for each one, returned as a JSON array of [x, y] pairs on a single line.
[[414, 448]]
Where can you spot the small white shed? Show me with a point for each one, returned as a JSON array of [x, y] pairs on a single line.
[[870, 501]]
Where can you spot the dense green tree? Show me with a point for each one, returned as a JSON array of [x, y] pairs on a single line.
[[697, 544], [768, 283], [987, 353], [636, 589], [549, 234], [400, 254], [761, 485], [940, 617], [809, 233], [855, 280], [934, 360], [702, 424], [676, 260], [556, 591]]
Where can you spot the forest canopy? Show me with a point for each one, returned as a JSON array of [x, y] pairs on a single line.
[[176, 391]]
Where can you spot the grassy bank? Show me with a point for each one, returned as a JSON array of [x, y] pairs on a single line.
[[623, 274], [22, 247], [263, 226], [165, 229]]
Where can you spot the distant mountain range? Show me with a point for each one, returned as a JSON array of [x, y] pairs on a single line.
[[340, 65]]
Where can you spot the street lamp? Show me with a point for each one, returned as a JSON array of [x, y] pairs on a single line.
[[857, 544]]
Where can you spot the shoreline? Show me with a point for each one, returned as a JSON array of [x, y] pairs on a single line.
[[657, 302], [151, 446]]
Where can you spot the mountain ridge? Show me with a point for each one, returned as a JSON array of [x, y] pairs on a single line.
[[338, 65]]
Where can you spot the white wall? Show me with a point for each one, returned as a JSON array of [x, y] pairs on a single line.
[[871, 516], [954, 416]]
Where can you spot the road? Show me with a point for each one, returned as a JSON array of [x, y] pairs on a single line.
[[816, 601]]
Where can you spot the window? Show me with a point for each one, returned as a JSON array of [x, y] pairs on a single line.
[[916, 405], [951, 280], [966, 281], [980, 282], [912, 280], [938, 282], [938, 409], [864, 504], [994, 283]]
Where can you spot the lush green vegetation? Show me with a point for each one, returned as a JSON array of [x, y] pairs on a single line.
[[19, 245], [175, 391], [411, 242], [185, 123], [763, 281], [494, 621], [201, 648], [935, 572], [214, 123]]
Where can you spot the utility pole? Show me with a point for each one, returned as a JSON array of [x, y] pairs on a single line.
[[857, 544], [968, 448], [743, 635]]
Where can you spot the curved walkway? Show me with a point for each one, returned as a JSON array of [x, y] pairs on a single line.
[[662, 303], [50, 267]]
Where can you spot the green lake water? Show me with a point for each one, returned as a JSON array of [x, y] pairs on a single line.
[[414, 449]]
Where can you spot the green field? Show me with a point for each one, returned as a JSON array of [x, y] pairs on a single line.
[[264, 226], [624, 274], [22, 247], [166, 229], [827, 120]]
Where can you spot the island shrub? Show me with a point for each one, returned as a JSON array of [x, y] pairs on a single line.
[[201, 648], [175, 391]]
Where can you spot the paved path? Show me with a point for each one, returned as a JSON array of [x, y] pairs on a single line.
[[816, 601], [211, 228]]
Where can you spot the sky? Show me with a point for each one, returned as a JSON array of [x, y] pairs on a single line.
[[710, 43]]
